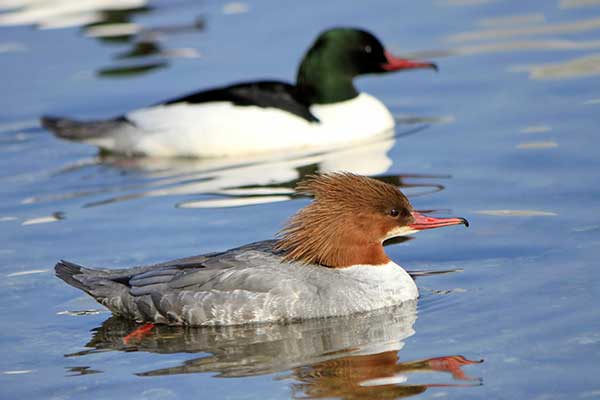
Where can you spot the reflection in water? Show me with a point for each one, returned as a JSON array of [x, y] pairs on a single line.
[[538, 29], [227, 182], [579, 67], [235, 8], [578, 3], [517, 213], [522, 19], [11, 47], [350, 357], [56, 216], [501, 33], [509, 27], [512, 46], [76, 371], [61, 13], [146, 52], [547, 144], [374, 376], [463, 2], [536, 129], [109, 21]]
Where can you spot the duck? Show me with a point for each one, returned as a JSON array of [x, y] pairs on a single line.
[[322, 109], [327, 261]]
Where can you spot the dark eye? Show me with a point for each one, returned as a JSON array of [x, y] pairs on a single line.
[[368, 49], [394, 212]]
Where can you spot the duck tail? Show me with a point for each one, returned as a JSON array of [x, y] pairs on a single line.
[[68, 272], [81, 131], [108, 287]]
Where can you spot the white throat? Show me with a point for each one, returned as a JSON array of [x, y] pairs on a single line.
[[399, 231]]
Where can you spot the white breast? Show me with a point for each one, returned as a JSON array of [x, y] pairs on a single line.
[[223, 129], [381, 286]]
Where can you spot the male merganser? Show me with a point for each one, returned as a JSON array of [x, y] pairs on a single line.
[[322, 109], [328, 261]]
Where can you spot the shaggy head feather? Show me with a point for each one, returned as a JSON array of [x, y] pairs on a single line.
[[346, 223]]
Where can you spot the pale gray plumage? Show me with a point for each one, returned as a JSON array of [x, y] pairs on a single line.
[[249, 284]]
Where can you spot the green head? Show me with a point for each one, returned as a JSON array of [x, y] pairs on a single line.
[[337, 56]]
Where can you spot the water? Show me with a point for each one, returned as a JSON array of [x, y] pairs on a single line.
[[506, 135]]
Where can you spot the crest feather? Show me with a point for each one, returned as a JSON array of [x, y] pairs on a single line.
[[340, 200]]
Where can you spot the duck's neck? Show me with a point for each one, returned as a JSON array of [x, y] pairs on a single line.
[[358, 254], [343, 255], [319, 82]]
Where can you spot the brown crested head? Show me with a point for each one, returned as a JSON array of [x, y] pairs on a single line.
[[347, 222]]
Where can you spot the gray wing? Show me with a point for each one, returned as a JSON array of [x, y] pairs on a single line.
[[185, 291], [152, 293], [193, 272]]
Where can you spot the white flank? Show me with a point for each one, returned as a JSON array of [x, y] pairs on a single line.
[[223, 129]]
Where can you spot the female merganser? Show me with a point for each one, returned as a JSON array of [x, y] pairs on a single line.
[[322, 109], [328, 261]]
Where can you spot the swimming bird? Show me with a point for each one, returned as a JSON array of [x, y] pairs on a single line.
[[327, 261], [322, 109]]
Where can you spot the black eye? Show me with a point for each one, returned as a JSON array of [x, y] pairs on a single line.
[[367, 49], [394, 212]]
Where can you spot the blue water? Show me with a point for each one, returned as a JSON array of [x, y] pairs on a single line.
[[506, 135]]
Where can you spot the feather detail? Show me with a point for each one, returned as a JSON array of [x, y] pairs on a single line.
[[345, 224]]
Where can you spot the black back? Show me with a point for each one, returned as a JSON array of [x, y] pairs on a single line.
[[265, 94]]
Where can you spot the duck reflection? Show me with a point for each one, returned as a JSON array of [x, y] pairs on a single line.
[[110, 21], [226, 182], [147, 51], [349, 357], [375, 376]]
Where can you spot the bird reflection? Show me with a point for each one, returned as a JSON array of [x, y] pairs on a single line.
[[374, 376], [227, 182], [353, 357], [110, 22], [147, 52]]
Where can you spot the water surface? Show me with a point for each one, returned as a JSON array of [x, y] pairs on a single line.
[[506, 135]]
